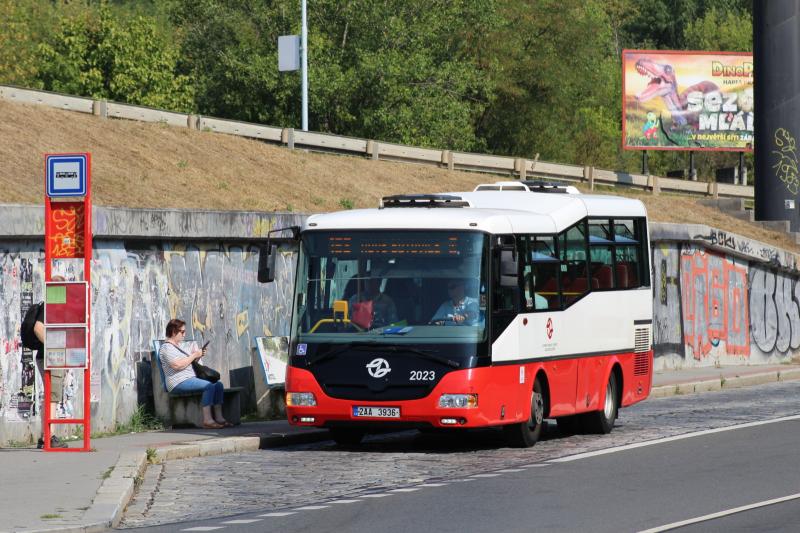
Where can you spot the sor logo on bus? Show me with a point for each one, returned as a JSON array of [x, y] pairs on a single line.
[[549, 328], [378, 367]]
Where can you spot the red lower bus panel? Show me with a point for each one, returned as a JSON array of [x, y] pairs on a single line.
[[574, 385]]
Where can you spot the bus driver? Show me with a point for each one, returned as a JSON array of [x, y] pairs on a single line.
[[459, 309]]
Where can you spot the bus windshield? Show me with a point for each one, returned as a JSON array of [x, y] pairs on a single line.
[[392, 287]]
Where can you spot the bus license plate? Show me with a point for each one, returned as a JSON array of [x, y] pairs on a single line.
[[377, 412]]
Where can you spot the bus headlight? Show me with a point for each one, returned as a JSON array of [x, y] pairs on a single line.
[[300, 399], [458, 401]]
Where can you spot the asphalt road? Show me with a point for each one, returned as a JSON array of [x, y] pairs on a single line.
[[652, 478]]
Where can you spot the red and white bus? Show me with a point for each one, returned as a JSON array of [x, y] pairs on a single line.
[[472, 309]]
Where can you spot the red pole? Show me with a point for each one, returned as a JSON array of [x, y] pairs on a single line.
[[87, 275], [47, 277], [85, 421]]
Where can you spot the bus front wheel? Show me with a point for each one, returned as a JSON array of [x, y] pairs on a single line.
[[525, 434]]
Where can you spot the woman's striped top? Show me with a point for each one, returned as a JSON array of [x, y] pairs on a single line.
[[168, 353]]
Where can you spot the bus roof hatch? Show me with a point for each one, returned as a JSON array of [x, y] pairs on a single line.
[[423, 200]]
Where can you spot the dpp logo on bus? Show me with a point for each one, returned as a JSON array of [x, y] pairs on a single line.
[[378, 367], [549, 328]]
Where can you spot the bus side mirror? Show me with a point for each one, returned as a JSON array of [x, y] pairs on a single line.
[[266, 263]]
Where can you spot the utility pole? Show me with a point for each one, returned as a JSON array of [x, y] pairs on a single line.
[[304, 64]]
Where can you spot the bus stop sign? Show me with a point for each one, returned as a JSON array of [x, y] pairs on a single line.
[[66, 175]]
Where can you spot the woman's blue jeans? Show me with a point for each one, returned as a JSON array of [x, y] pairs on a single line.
[[212, 392]]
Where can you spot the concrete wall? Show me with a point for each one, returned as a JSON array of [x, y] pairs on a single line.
[[200, 267], [721, 299], [718, 299]]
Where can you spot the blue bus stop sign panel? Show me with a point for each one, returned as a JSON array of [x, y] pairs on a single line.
[[66, 175]]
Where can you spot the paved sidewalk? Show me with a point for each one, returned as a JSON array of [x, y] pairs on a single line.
[[89, 491]]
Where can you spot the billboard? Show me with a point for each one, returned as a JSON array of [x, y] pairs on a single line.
[[679, 100]]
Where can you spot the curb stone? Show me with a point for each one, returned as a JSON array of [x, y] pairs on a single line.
[[118, 488], [733, 382]]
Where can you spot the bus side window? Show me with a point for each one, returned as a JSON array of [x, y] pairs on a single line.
[[572, 243], [630, 248], [601, 253], [540, 274]]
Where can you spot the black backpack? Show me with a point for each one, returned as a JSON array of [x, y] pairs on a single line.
[[29, 338]]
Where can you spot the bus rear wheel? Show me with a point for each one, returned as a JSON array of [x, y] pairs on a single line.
[[525, 434], [346, 436], [603, 421]]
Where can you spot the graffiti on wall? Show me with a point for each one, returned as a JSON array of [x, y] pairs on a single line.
[[211, 286], [712, 308], [786, 165], [775, 317], [19, 275], [67, 229], [715, 313], [136, 289], [758, 251], [667, 330]]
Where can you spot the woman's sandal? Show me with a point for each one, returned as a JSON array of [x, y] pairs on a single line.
[[214, 425], [226, 424]]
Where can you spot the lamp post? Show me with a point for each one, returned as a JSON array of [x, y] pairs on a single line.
[[304, 64]]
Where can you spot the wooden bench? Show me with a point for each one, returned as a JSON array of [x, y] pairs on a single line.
[[184, 409]]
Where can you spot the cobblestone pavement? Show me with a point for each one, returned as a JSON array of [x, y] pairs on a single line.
[[267, 480]]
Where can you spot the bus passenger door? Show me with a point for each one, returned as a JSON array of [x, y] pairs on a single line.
[[506, 294]]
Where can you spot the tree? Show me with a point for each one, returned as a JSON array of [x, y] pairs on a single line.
[[95, 54], [555, 61], [23, 23], [722, 31], [395, 70]]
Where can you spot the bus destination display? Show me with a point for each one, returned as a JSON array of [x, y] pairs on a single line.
[[378, 245]]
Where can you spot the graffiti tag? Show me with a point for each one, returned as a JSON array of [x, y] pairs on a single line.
[[714, 304], [786, 168], [775, 316]]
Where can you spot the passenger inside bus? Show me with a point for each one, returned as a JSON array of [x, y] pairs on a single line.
[[537, 301], [458, 309], [371, 308]]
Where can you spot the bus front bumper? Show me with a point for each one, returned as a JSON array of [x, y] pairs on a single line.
[[496, 404]]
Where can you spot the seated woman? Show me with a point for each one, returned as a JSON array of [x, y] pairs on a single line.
[[459, 309], [180, 376]]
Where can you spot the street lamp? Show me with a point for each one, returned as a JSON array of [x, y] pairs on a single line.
[[304, 61], [293, 54]]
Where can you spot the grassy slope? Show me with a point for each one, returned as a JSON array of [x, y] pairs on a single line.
[[137, 164]]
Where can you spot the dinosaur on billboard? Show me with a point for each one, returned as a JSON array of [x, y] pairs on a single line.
[[663, 83]]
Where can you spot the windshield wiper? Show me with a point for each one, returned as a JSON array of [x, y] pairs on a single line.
[[428, 354]]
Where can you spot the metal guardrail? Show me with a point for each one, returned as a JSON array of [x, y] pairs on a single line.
[[325, 142]]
